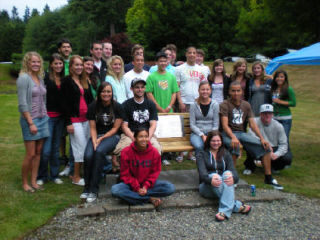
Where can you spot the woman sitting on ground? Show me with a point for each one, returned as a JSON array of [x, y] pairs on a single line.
[[204, 117], [218, 176], [105, 118], [140, 169]]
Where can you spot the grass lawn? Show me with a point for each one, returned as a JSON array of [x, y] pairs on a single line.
[[21, 212]]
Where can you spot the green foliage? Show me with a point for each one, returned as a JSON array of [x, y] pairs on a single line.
[[12, 33], [206, 24], [42, 33]]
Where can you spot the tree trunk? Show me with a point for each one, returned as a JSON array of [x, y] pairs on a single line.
[[112, 29]]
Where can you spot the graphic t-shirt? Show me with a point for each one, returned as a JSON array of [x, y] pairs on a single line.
[[139, 114], [105, 118], [162, 86], [238, 116], [189, 78], [129, 76]]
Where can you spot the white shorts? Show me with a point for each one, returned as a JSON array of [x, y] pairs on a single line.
[[79, 140]]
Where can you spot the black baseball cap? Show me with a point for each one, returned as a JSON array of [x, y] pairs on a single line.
[[137, 80]]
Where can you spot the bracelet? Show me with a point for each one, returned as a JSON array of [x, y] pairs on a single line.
[[169, 107]]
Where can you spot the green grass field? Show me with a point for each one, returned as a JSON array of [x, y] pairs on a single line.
[[21, 212]]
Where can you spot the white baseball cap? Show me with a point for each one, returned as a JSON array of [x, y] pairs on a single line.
[[266, 108]]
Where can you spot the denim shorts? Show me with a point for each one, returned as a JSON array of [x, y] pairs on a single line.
[[42, 127]]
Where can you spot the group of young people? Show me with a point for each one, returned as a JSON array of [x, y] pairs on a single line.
[[110, 109]]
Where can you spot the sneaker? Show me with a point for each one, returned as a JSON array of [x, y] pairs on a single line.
[[40, 182], [58, 181], [275, 184], [165, 162], [80, 183], [247, 172], [179, 159], [84, 195], [193, 158], [65, 172], [258, 163], [91, 197]]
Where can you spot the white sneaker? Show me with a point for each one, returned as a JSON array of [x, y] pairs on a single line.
[[84, 195], [65, 172], [165, 162], [40, 182], [91, 197], [80, 183], [258, 163], [247, 172], [58, 181]]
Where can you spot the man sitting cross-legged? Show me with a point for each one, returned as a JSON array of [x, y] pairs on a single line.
[[138, 112], [235, 115]]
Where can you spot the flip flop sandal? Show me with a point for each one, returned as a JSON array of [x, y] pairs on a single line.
[[29, 190], [156, 202], [245, 209], [220, 217]]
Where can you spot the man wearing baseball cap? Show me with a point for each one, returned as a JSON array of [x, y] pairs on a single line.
[[138, 112], [274, 133]]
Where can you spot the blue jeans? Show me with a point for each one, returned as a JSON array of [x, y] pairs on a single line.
[[225, 193], [50, 150], [95, 160], [196, 142], [124, 191], [250, 144]]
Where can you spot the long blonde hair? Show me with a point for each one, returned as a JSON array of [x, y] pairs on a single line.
[[83, 78], [262, 78], [110, 70], [25, 63], [237, 64]]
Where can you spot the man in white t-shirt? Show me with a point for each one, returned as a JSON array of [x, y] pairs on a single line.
[[199, 60], [189, 75], [136, 72]]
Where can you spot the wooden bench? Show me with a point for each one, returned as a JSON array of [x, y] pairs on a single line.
[[178, 144]]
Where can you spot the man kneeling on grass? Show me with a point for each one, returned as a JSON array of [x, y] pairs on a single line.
[[139, 171], [235, 115]]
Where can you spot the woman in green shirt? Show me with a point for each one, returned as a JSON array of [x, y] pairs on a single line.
[[283, 98], [94, 81]]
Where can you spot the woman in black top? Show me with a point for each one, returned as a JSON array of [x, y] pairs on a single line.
[[218, 175], [105, 118], [76, 96], [50, 151]]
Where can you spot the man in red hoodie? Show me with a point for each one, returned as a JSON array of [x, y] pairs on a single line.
[[140, 169]]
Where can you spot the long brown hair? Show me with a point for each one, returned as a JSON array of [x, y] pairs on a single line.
[[83, 79], [55, 56], [200, 85], [237, 64], [216, 62], [284, 95], [207, 144]]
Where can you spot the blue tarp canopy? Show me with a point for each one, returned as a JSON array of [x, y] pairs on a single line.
[[305, 56]]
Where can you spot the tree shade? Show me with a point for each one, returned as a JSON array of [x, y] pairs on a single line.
[[305, 56]]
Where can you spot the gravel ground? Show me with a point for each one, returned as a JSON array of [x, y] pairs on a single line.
[[293, 218]]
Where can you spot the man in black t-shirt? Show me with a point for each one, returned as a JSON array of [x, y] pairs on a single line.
[[138, 112]]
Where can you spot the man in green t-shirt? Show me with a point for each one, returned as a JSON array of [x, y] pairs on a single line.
[[65, 50], [162, 86]]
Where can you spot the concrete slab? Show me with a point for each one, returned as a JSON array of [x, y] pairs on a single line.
[[114, 206], [91, 211], [184, 180], [142, 208]]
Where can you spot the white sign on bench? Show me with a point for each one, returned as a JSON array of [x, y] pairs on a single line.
[[169, 126]]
